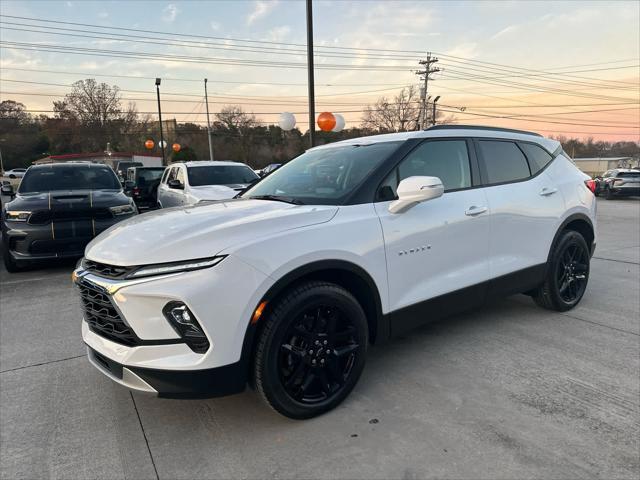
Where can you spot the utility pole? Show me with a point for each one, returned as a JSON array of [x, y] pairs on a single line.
[[206, 101], [312, 101], [160, 121], [428, 70]]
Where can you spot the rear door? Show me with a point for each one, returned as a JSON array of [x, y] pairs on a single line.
[[441, 245], [525, 206]]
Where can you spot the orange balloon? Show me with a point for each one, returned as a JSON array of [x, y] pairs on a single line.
[[326, 121], [149, 144], [176, 147]]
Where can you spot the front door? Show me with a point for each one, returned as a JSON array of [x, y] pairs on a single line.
[[439, 246]]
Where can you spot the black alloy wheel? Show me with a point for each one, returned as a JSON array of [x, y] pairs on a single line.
[[311, 351], [317, 354], [567, 273], [571, 272]]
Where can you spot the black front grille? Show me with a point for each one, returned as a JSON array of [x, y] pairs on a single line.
[[103, 318], [105, 270], [42, 217]]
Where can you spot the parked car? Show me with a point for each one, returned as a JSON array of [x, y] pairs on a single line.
[[619, 182], [15, 173], [269, 168], [122, 168], [58, 209], [188, 183], [142, 185], [366, 239]]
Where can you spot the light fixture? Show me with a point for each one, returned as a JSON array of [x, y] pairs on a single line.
[[175, 267], [185, 324]]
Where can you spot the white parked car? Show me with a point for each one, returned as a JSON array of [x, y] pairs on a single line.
[[347, 245], [188, 183], [15, 173]]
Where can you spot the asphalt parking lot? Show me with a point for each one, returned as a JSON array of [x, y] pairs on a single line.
[[508, 391]]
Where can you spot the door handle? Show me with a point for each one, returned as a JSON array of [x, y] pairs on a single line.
[[475, 210], [546, 191]]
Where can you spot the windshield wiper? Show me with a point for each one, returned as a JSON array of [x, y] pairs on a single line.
[[278, 198]]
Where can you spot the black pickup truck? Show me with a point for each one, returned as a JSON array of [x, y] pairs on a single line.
[[142, 185], [58, 209]]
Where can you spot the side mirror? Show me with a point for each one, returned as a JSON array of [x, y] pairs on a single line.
[[7, 189], [177, 184], [414, 190]]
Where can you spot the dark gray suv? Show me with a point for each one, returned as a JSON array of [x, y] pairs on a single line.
[[58, 209]]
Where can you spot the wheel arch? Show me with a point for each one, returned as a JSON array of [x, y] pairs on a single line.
[[341, 272], [578, 222]]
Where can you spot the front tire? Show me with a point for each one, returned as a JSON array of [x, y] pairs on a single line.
[[10, 263], [311, 351], [567, 274]]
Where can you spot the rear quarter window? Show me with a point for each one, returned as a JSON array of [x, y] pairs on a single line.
[[537, 156]]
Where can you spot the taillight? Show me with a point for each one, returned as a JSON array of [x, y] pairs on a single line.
[[136, 191], [591, 185]]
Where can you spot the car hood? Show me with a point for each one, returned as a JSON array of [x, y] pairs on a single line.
[[199, 231], [68, 200], [215, 192]]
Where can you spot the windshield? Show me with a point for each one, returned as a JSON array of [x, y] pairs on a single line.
[[69, 178], [629, 175], [220, 175], [324, 176]]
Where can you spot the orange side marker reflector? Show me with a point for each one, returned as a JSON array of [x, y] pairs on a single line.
[[258, 313]]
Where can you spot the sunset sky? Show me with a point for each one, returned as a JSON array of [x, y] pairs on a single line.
[[558, 68]]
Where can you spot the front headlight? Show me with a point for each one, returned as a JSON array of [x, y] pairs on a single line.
[[174, 267], [17, 215], [127, 209]]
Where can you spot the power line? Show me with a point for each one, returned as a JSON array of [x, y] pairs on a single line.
[[43, 47], [137, 30], [198, 80]]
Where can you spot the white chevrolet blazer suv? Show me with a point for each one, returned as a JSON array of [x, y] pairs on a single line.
[[285, 287]]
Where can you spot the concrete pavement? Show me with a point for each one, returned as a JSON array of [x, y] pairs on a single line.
[[509, 391]]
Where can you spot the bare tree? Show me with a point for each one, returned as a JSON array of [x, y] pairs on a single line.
[[232, 117], [240, 126], [398, 115], [95, 112]]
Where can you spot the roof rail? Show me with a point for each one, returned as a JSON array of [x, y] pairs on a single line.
[[480, 127]]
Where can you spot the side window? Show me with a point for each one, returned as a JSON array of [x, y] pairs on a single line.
[[172, 174], [445, 159], [504, 161], [537, 156], [180, 175]]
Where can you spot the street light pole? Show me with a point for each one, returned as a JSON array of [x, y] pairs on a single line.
[[160, 121], [206, 101], [433, 116], [312, 105]]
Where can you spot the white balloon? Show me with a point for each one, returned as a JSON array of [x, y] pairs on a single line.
[[287, 121], [339, 123], [162, 144]]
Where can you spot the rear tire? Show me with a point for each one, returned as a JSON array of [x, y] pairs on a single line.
[[311, 351], [608, 194], [567, 274]]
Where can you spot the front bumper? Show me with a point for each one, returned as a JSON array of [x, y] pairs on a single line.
[[64, 239], [212, 382], [222, 298]]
